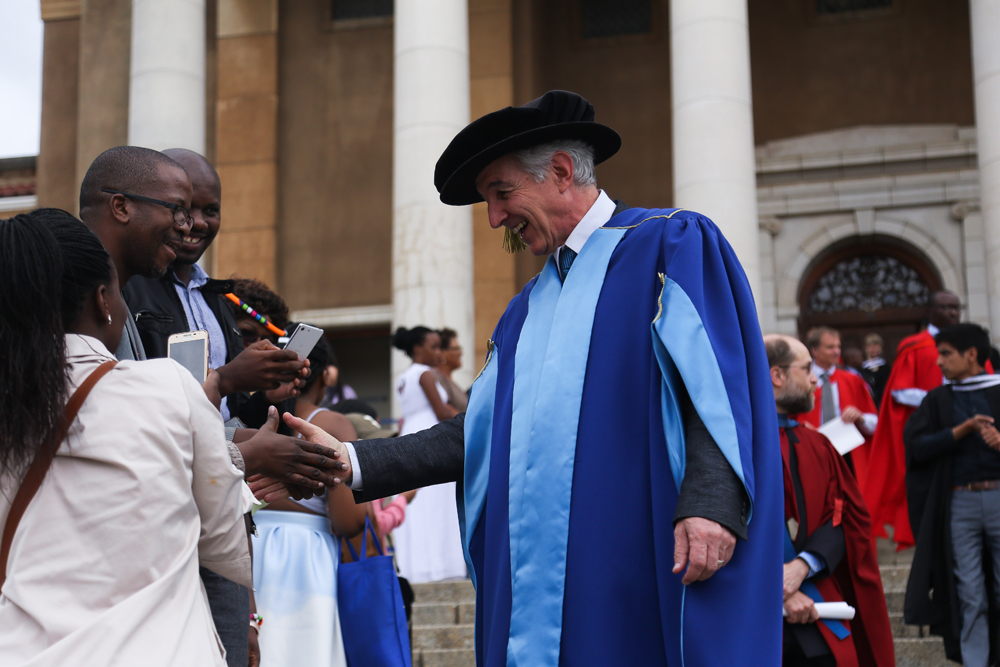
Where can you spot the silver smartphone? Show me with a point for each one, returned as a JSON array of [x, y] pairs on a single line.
[[190, 350], [303, 340]]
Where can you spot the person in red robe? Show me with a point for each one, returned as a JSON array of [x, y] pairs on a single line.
[[829, 552], [840, 393], [914, 373]]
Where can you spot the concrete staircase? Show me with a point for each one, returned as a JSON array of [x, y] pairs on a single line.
[[444, 620], [443, 624], [915, 647]]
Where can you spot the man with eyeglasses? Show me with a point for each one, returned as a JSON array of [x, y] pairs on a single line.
[[914, 373], [827, 532], [184, 298], [139, 204], [142, 233]]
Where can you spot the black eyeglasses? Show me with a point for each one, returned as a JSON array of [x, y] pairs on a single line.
[[181, 214]]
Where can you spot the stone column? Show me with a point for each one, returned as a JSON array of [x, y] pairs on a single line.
[[105, 48], [714, 163], [977, 308], [246, 139], [57, 184], [167, 83], [491, 61], [432, 281], [985, 23]]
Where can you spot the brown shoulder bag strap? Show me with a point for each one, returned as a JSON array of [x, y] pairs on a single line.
[[40, 466]]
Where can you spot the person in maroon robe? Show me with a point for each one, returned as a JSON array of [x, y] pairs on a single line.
[[830, 554]]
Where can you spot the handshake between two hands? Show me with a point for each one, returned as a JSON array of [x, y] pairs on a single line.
[[286, 467], [279, 466]]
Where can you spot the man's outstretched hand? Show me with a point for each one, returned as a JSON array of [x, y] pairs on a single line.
[[321, 438], [290, 461], [702, 546]]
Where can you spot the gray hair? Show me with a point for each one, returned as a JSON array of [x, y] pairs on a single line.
[[538, 159]]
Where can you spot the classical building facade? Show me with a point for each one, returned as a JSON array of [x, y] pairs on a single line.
[[850, 149]]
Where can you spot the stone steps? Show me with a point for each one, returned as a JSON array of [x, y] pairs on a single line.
[[913, 644], [927, 652], [444, 613], [443, 624]]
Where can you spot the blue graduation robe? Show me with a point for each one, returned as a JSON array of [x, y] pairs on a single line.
[[589, 517]]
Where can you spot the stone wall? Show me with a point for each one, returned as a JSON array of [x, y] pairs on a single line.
[[915, 184]]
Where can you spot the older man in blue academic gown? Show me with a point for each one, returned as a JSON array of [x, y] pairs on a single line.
[[620, 476]]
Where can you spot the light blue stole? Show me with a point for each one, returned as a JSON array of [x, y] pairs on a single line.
[[550, 365]]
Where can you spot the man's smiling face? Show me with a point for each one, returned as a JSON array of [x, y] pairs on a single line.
[[154, 236], [206, 206], [516, 201], [205, 213]]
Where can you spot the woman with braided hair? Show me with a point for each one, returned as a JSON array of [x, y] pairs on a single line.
[[99, 565]]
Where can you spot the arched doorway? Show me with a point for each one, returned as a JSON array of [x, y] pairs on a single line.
[[868, 284]]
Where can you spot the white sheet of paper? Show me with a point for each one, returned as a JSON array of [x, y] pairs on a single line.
[[843, 436], [834, 611]]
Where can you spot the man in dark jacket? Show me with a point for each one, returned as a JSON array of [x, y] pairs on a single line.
[[186, 299], [183, 299], [953, 490]]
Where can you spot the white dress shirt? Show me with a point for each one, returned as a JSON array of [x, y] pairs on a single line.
[[871, 419], [596, 217]]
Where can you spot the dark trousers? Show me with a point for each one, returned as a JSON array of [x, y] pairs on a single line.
[[230, 604], [793, 655]]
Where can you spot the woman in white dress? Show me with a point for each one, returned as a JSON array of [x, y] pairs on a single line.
[[103, 566], [429, 543]]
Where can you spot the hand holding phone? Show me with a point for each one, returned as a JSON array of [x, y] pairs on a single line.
[[262, 366], [303, 340]]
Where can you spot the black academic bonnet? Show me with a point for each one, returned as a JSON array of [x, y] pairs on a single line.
[[556, 115]]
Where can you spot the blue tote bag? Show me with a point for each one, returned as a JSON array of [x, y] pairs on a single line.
[[372, 617]]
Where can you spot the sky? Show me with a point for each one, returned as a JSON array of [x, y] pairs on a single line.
[[20, 77]]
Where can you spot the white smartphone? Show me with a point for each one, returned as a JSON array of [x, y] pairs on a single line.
[[303, 340], [190, 350]]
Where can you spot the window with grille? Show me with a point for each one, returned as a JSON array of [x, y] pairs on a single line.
[[613, 18], [361, 9], [868, 283], [844, 6]]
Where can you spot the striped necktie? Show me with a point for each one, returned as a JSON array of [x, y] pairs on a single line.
[[566, 257]]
